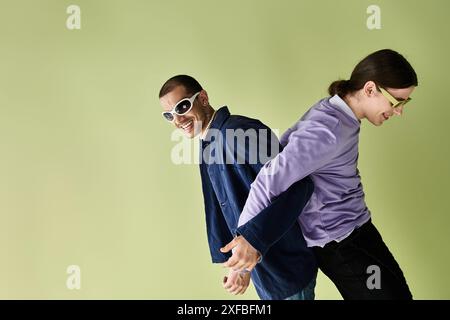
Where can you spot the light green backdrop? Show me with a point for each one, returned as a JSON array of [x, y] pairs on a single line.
[[85, 172]]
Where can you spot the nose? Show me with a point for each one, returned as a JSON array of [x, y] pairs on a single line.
[[398, 111], [177, 118]]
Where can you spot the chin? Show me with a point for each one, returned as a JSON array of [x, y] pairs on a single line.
[[189, 135], [376, 123], [192, 134]]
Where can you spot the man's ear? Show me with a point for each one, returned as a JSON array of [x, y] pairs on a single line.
[[203, 98], [370, 89]]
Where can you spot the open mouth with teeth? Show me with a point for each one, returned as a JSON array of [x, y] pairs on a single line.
[[187, 126]]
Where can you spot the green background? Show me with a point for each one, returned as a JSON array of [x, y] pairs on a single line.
[[85, 170]]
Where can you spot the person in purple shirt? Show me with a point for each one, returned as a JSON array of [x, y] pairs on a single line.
[[336, 222]]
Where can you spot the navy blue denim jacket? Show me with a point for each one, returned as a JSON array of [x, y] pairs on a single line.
[[287, 265]]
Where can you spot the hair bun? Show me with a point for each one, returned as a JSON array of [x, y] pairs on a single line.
[[339, 87]]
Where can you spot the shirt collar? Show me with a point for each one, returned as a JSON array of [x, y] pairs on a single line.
[[340, 103]]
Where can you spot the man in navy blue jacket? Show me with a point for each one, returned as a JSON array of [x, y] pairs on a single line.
[[232, 151]]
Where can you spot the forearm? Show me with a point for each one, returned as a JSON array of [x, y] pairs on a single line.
[[273, 179], [265, 229]]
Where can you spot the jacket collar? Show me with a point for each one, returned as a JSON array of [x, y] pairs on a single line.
[[221, 116]]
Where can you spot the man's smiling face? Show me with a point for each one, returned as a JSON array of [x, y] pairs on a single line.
[[191, 122]]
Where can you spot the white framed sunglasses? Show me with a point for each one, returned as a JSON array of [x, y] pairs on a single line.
[[181, 107]]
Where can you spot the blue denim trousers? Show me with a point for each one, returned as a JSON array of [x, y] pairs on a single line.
[[306, 294]]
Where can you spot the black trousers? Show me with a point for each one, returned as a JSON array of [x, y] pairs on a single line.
[[362, 267]]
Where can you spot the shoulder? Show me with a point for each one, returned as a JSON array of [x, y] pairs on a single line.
[[241, 122], [248, 133], [321, 123], [322, 115]]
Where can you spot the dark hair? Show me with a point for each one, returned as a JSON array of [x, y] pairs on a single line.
[[387, 68], [190, 84]]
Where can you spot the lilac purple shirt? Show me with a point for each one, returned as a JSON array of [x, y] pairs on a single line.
[[324, 145]]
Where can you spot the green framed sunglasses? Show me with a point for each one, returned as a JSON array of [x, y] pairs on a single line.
[[394, 101]]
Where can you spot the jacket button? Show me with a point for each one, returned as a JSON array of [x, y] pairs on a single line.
[[223, 204]]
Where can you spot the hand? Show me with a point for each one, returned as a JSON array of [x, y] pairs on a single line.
[[236, 282], [244, 257]]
